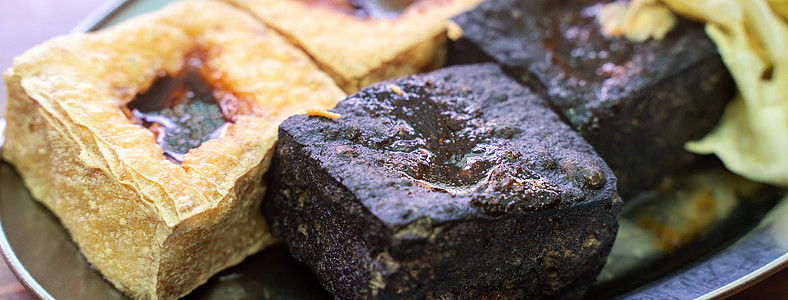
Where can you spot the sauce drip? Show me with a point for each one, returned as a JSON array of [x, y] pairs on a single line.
[[183, 111]]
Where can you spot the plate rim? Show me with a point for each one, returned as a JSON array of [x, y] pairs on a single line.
[[110, 8], [97, 17], [750, 279]]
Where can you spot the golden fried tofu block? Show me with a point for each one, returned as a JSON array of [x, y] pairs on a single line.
[[154, 225], [363, 42]]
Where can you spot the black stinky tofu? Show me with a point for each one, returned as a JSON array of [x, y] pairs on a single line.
[[456, 183], [636, 103]]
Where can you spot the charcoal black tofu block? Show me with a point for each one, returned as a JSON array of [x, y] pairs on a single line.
[[636, 103], [456, 183]]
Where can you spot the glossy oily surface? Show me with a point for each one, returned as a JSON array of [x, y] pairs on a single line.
[[647, 98], [755, 255], [425, 182]]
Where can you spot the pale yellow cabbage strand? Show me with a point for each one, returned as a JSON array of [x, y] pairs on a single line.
[[638, 20], [752, 38]]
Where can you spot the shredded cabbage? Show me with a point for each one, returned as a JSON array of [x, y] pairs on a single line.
[[752, 38], [638, 20]]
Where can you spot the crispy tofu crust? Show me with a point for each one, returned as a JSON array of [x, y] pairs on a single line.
[[359, 51], [153, 228]]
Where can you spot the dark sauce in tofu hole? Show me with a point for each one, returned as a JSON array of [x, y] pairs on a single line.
[[440, 140], [184, 110], [446, 143]]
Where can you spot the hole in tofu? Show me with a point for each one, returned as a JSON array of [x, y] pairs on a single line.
[[184, 110], [373, 9], [445, 140], [436, 141]]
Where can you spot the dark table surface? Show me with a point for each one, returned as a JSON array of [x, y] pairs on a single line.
[[25, 24]]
